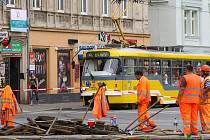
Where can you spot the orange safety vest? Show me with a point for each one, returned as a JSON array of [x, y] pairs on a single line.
[[101, 106], [191, 93], [205, 97], [9, 106], [143, 90]]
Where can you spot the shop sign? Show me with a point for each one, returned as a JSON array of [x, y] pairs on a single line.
[[14, 47], [104, 36], [83, 47], [18, 21]]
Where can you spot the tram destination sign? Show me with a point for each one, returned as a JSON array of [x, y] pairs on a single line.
[[97, 54]]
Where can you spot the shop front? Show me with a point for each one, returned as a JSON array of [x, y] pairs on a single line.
[[10, 66]]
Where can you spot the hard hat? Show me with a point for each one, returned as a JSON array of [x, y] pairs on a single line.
[[205, 68]]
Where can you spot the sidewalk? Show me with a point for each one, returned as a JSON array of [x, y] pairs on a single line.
[[52, 106]]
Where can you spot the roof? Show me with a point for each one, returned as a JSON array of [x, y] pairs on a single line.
[[135, 52]]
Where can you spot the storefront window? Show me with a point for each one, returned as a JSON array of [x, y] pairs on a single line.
[[63, 69], [40, 67]]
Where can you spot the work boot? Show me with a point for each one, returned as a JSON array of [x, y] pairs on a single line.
[[153, 126]]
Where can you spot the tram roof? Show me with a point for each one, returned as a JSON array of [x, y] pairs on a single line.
[[135, 52]]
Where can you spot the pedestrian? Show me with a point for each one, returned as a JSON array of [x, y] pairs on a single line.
[[143, 100], [34, 89], [205, 100], [188, 100], [9, 107]]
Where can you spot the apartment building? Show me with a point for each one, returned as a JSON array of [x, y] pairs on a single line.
[[57, 30], [182, 23]]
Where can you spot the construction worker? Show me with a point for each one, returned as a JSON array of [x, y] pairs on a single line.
[[143, 100], [188, 100], [205, 100], [9, 107], [101, 106]]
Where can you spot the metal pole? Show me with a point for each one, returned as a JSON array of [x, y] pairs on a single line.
[[27, 42], [142, 114], [84, 116], [150, 117]]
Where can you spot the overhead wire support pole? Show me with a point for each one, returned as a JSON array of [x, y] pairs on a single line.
[[27, 41]]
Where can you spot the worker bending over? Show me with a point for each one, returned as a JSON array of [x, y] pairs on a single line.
[[143, 100]]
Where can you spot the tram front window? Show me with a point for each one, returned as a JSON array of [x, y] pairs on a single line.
[[98, 67]]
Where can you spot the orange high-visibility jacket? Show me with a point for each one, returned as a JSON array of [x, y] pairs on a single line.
[[101, 106], [191, 93], [205, 97], [143, 90], [9, 106]]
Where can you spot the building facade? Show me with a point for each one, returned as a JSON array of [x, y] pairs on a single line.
[[58, 29], [180, 23]]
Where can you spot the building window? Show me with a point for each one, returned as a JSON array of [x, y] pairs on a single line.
[[105, 7], [10, 3], [125, 8], [84, 6], [36, 4], [60, 5], [191, 23]]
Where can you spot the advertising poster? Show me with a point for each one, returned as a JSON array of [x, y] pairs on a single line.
[[63, 69]]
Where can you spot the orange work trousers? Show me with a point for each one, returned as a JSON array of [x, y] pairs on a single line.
[[7, 118], [205, 117], [189, 114], [142, 117]]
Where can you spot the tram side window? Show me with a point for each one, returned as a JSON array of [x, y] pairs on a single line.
[[129, 65], [166, 72], [187, 62], [155, 67], [145, 67], [196, 65], [177, 71]]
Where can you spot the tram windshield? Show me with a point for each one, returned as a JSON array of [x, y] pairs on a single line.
[[100, 67]]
